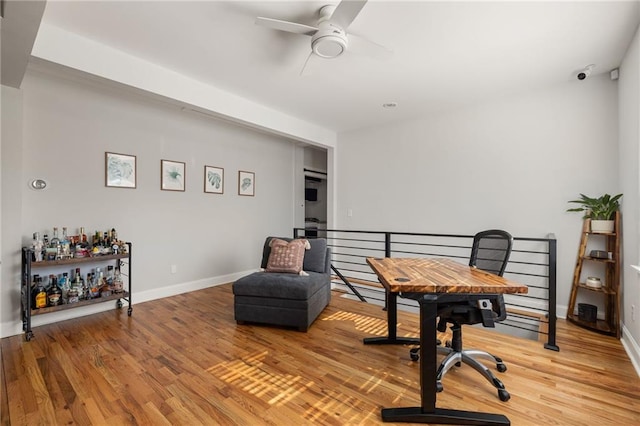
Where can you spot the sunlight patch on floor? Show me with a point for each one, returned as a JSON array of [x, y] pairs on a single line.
[[252, 375], [369, 325]]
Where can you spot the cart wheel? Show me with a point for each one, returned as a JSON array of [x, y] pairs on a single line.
[[129, 311], [119, 304], [414, 354], [28, 335], [439, 387], [503, 395], [501, 368]]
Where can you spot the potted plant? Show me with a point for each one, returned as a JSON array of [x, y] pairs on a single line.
[[600, 210]]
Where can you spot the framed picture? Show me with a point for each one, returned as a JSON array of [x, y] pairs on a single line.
[[246, 183], [119, 170], [172, 175], [213, 180]]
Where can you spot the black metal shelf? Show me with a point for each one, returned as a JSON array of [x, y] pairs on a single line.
[[28, 265]]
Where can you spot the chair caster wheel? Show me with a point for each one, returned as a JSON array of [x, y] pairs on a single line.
[[501, 368], [414, 354], [503, 395], [440, 388]]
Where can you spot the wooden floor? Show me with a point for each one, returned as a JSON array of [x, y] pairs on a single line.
[[184, 361]]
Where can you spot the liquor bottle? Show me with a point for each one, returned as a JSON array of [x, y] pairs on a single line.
[[109, 277], [55, 243], [104, 289], [83, 237], [37, 246], [32, 290], [93, 285], [96, 244], [78, 284], [54, 294], [73, 296], [39, 295], [63, 282], [45, 282], [118, 285], [65, 244], [45, 246], [81, 246]]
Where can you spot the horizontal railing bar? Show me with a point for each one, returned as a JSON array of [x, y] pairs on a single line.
[[533, 308], [526, 274], [430, 254], [356, 240], [357, 248], [347, 254], [529, 251], [429, 245], [520, 262]]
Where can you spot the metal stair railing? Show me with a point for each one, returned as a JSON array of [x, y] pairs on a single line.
[[532, 262]]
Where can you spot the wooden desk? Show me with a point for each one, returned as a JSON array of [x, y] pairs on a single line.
[[433, 281]]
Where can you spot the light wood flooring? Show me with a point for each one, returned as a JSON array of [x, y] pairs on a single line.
[[183, 361]]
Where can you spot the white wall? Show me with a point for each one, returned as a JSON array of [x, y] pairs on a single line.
[[629, 93], [67, 127], [315, 159], [511, 163], [71, 50], [11, 200]]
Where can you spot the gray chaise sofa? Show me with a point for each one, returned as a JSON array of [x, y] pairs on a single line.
[[286, 299]]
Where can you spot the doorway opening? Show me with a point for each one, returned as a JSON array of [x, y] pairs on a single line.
[[315, 190]]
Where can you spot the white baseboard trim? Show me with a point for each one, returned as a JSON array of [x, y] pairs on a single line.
[[561, 311], [14, 328], [632, 348], [159, 293]]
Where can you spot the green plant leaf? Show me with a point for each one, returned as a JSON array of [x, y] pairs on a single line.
[[601, 208]]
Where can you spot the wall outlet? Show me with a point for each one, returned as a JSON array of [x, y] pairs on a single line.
[[349, 213], [633, 312], [174, 269]]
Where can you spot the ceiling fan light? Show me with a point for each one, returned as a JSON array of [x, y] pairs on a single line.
[[329, 46]]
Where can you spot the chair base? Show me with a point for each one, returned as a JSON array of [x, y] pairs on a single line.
[[468, 357], [453, 357]]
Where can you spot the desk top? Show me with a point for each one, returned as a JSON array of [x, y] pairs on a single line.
[[416, 275]]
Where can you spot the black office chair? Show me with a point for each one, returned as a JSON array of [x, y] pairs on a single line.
[[490, 252]]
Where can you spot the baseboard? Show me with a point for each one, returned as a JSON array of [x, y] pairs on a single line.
[[561, 311], [632, 348], [14, 328], [159, 293]]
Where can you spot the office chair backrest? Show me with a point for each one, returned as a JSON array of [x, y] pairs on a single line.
[[491, 250]]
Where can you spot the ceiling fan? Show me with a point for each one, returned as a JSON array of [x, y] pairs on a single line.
[[329, 38]]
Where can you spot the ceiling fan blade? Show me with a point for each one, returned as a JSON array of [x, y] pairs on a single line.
[[315, 66], [304, 67], [290, 27], [363, 46], [346, 12]]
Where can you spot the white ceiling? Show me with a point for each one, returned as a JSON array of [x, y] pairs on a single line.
[[446, 54]]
